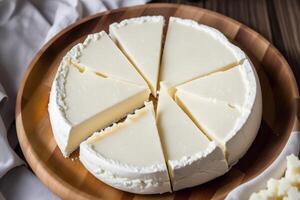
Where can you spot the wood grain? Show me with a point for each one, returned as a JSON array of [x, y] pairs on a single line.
[[70, 180]]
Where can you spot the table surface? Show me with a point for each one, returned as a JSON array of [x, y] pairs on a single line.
[[278, 21]]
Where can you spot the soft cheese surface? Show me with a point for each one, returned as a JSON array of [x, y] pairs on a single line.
[[191, 157], [99, 53], [87, 94], [139, 133], [217, 119], [231, 86], [128, 155], [192, 50], [141, 39]]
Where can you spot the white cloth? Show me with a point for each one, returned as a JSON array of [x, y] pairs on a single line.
[[25, 25], [8, 158], [20, 183], [275, 170]]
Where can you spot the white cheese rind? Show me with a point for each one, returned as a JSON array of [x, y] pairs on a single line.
[[137, 20], [60, 125], [238, 144], [76, 51], [199, 168], [148, 179]]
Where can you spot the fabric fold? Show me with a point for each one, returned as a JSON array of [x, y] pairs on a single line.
[[8, 158]]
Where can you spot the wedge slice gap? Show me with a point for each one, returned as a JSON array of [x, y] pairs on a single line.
[[141, 40], [232, 128], [192, 158], [230, 86]]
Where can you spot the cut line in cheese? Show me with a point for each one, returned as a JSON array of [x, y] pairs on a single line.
[[136, 163], [192, 50], [99, 53], [192, 159], [141, 41]]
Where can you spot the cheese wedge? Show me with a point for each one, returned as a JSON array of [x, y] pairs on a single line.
[[232, 128], [81, 103], [128, 155], [192, 50], [192, 159], [237, 88], [140, 39], [231, 86], [100, 54]]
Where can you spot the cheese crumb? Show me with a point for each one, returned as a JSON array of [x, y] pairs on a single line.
[[286, 188]]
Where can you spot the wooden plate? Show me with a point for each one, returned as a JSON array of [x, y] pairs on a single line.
[[69, 179]]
